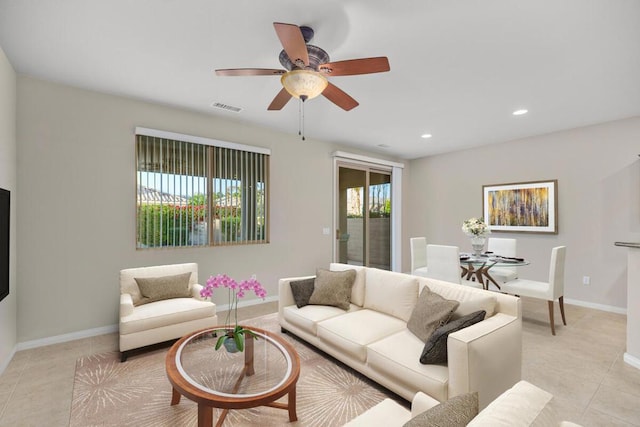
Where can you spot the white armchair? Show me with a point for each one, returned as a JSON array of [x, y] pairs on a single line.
[[159, 313]]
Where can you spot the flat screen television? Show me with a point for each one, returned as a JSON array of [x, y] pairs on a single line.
[[5, 209]]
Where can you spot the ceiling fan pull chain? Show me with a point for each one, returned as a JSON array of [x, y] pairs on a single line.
[[299, 117], [302, 119]]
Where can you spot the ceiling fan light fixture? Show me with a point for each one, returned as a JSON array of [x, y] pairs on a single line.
[[304, 84]]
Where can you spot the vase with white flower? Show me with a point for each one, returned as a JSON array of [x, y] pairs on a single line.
[[477, 229], [233, 335]]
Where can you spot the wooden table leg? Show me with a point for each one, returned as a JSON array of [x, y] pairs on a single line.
[[248, 355], [488, 278], [205, 415], [293, 416], [175, 397]]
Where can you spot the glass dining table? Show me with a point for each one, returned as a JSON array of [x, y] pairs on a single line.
[[479, 266]]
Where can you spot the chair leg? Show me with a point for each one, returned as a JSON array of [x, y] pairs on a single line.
[[561, 301], [553, 326]]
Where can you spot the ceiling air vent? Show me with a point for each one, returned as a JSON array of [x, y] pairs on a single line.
[[226, 107]]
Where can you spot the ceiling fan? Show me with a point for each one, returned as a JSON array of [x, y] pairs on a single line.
[[307, 68]]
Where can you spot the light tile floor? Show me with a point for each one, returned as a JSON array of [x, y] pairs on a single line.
[[581, 366]]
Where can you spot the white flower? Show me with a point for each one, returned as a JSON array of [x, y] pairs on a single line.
[[475, 227]]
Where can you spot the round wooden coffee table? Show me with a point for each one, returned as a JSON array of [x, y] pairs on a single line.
[[266, 370]]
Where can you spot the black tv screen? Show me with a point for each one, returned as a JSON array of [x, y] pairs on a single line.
[[5, 209]]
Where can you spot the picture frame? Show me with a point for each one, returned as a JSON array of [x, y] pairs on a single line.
[[521, 207]]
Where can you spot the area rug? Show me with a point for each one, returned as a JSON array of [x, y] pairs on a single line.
[[137, 392]]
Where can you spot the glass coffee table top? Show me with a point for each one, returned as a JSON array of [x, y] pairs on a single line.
[[265, 371], [221, 373]]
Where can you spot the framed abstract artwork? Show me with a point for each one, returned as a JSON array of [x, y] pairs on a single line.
[[523, 207]]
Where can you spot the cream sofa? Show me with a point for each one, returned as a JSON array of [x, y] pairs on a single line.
[[522, 405], [163, 320], [372, 336]]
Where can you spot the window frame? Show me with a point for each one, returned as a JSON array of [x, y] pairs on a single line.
[[210, 178]]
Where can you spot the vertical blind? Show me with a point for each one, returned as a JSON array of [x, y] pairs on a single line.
[[191, 194]]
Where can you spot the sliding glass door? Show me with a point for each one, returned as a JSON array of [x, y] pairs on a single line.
[[364, 216]]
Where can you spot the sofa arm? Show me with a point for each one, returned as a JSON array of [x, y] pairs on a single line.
[[126, 305], [486, 357], [388, 413], [422, 402]]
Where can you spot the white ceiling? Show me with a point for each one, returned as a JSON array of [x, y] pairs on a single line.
[[458, 68]]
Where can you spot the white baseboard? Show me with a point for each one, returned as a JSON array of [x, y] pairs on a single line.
[[601, 307], [6, 362], [632, 360], [248, 303], [57, 339]]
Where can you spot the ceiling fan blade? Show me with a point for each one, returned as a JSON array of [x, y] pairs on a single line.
[[250, 72], [352, 67], [339, 97], [292, 41], [280, 100]]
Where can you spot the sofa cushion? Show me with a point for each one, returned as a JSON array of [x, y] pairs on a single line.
[[164, 313], [352, 332], [430, 312], [358, 289], [163, 287], [333, 288], [396, 356], [455, 412], [392, 293], [435, 349], [302, 290], [307, 317], [524, 402]]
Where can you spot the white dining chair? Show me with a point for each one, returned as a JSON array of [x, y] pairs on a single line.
[[550, 291], [418, 256], [503, 247], [444, 263]]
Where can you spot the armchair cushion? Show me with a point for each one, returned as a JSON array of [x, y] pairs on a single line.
[[164, 287], [431, 312], [166, 313], [455, 412]]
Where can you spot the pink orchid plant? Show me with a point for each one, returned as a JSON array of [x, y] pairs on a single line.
[[235, 291]]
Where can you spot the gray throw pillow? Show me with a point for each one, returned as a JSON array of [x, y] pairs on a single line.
[[435, 349], [302, 290], [165, 287], [455, 412], [333, 288], [431, 312]]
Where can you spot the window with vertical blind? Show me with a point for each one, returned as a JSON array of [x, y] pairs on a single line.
[[194, 191]]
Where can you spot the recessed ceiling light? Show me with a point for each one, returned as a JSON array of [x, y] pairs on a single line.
[[426, 135], [520, 112], [383, 146]]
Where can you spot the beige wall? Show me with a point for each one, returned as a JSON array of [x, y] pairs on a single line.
[[598, 173], [8, 181], [77, 218], [77, 185]]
